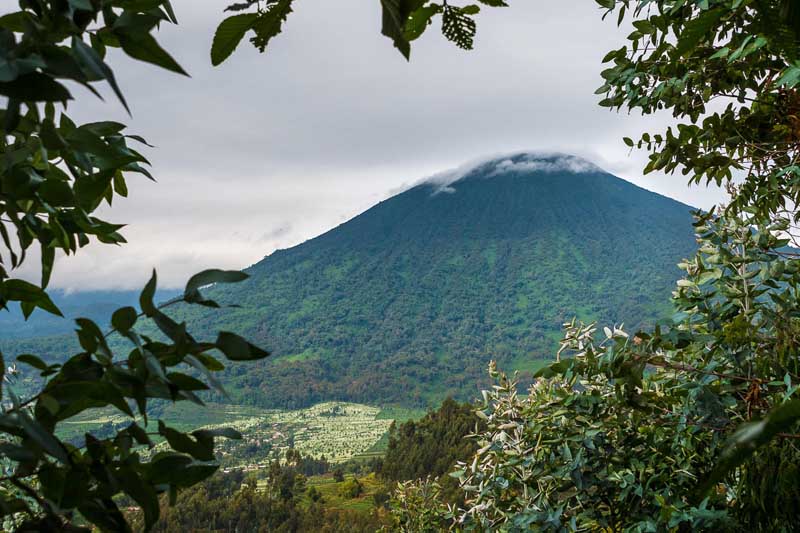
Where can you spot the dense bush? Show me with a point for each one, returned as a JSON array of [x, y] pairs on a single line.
[[687, 427]]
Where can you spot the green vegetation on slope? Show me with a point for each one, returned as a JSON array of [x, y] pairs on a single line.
[[431, 445], [286, 500], [406, 303]]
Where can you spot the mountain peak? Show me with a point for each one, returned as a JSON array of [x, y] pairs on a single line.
[[407, 302], [516, 162]]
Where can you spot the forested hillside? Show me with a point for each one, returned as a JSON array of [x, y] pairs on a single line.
[[407, 302]]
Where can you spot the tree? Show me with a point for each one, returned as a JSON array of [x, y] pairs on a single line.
[[55, 174], [352, 488], [430, 447], [417, 507], [729, 71]]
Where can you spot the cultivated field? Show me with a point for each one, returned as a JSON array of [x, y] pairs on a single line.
[[337, 431]]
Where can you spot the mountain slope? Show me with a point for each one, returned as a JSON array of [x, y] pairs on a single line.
[[407, 302]]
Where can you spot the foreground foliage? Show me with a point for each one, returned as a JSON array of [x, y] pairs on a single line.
[[403, 21], [55, 174], [688, 427], [728, 71], [47, 480]]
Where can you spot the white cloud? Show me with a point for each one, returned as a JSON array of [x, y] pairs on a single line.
[[533, 162], [496, 165]]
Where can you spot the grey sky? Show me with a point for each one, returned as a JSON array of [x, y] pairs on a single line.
[[269, 150]]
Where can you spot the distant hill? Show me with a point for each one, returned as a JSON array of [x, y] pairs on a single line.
[[95, 305], [407, 302]]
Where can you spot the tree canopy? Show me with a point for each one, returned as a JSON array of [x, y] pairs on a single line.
[[728, 71]]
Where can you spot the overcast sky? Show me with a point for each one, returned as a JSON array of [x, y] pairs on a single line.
[[270, 150]]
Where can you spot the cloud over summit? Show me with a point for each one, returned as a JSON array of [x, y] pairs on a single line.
[[489, 167]]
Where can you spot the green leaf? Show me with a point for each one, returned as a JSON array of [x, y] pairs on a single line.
[[458, 27], [203, 368], [697, 30], [32, 360], [201, 448], [49, 403], [95, 64], [16, 453], [101, 393], [192, 293], [17, 290], [749, 437], [191, 475], [139, 434], [178, 470], [269, 23], [236, 348], [228, 433], [16, 21], [48, 252], [146, 297], [42, 437], [123, 319], [229, 34], [104, 513], [144, 47], [167, 5], [35, 87], [91, 338], [208, 277], [790, 77], [184, 382], [419, 20], [176, 332], [142, 492], [395, 14]]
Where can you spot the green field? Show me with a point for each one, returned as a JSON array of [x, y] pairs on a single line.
[[331, 492]]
